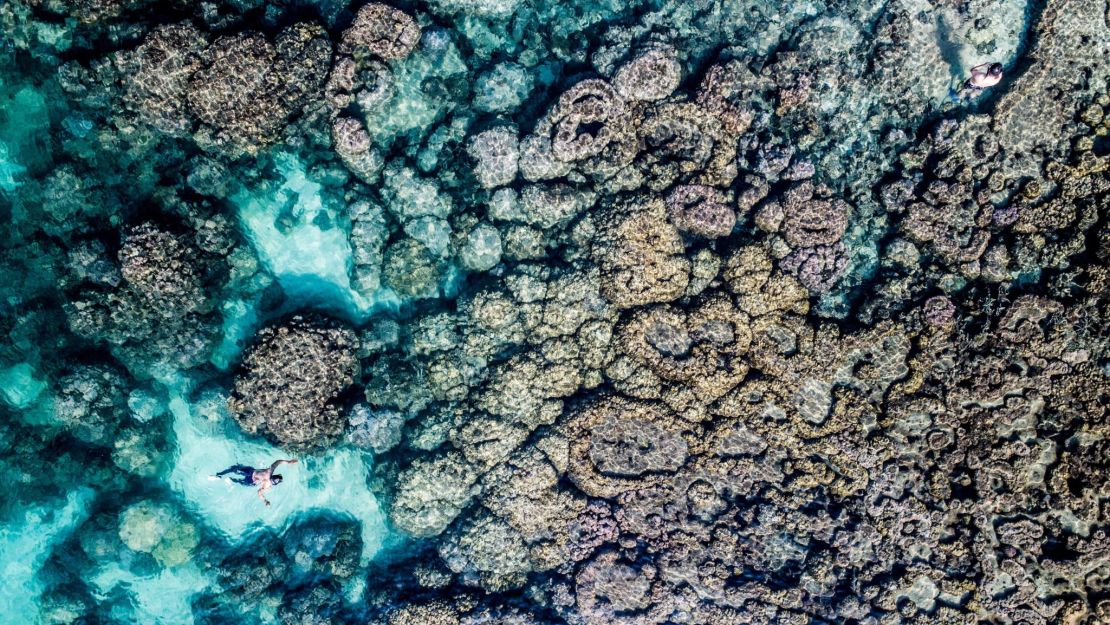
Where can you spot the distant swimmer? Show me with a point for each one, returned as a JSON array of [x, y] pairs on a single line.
[[984, 76], [264, 479]]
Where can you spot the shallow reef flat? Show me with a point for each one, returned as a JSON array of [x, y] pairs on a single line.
[[582, 312]]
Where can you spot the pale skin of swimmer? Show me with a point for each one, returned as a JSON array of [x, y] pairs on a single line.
[[985, 75], [265, 479]]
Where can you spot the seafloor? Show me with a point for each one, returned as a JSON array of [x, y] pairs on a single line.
[[574, 311]]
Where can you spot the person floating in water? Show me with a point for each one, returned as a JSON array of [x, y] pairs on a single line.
[[984, 76], [264, 479]]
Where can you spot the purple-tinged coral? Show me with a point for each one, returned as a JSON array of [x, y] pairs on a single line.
[[818, 268], [700, 210]]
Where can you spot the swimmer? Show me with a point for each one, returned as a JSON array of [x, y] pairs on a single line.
[[984, 76], [264, 479]]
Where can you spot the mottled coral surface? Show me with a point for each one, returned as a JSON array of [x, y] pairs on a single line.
[[640, 312]]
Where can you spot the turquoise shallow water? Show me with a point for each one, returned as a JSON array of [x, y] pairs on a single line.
[[335, 481], [27, 539], [629, 312], [311, 255]]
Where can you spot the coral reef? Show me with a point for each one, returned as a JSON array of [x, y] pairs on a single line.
[[381, 31], [234, 93], [291, 380], [147, 527], [155, 306], [623, 313]]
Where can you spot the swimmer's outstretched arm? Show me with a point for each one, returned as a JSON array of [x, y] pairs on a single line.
[[278, 463], [262, 493]]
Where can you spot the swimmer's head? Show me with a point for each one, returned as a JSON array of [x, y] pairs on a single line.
[[275, 479], [995, 69]]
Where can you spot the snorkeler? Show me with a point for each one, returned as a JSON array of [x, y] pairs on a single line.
[[983, 78], [265, 479]]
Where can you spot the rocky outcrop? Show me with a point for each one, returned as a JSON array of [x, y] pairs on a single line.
[[291, 379]]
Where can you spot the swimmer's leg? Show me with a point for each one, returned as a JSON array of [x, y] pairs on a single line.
[[244, 474], [965, 91], [235, 468]]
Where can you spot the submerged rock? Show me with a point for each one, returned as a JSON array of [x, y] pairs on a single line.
[[157, 529], [382, 31], [322, 545], [291, 380]]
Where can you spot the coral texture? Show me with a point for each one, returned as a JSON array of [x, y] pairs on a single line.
[[588, 312]]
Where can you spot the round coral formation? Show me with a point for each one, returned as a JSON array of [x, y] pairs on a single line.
[[411, 270], [589, 121], [248, 87], [291, 380], [90, 401], [641, 257], [157, 529], [495, 152], [700, 210], [354, 147], [653, 75]]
